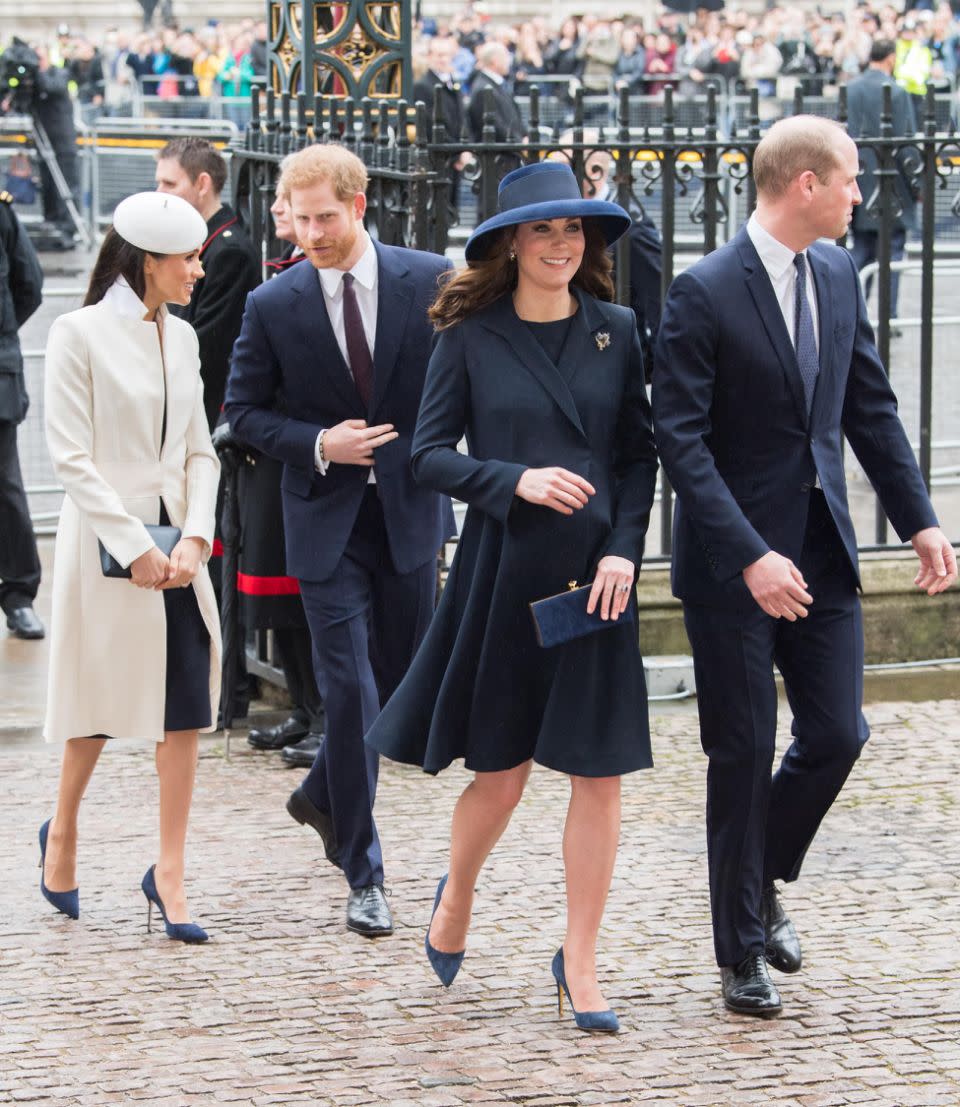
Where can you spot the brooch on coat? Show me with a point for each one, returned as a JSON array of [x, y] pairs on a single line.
[[602, 340]]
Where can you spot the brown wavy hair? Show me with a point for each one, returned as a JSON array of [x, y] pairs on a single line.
[[468, 290]]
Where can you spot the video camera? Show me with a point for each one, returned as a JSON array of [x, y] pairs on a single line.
[[19, 67]]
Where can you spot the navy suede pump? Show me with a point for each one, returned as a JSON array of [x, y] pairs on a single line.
[[67, 903], [597, 1022], [445, 965], [179, 932]]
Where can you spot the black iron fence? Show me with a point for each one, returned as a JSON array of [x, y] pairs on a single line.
[[428, 188]]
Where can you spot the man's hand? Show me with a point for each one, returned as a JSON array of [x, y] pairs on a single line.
[[555, 488], [938, 562], [352, 442], [778, 587]]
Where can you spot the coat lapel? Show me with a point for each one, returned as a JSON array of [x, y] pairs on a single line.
[[318, 339], [504, 320], [583, 340], [821, 279], [758, 282], [394, 297]]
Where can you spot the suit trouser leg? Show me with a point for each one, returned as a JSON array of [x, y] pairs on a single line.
[[821, 659], [343, 782], [403, 605], [19, 559], [737, 701]]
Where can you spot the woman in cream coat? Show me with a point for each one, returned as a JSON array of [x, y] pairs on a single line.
[[127, 434]]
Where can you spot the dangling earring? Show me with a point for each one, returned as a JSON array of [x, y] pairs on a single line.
[[513, 256]]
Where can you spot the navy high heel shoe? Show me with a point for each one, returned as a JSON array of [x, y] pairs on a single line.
[[67, 903], [445, 965], [179, 932], [599, 1022]]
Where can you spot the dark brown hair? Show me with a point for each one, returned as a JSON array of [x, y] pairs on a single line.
[[196, 156], [482, 282], [117, 258]]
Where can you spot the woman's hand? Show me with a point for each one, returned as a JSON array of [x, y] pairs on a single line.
[[612, 587], [555, 488], [184, 563], [150, 569]]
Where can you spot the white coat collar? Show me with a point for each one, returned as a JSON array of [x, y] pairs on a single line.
[[121, 298]]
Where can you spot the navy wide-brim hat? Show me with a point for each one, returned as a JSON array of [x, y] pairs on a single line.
[[544, 190]]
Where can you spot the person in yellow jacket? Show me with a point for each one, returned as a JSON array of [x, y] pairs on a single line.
[[914, 59]]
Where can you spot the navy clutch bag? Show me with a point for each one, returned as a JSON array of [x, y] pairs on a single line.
[[165, 539], [561, 618]]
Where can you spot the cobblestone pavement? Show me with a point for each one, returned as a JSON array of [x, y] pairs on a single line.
[[285, 1007]]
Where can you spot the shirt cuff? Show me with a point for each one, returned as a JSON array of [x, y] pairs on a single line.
[[321, 466]]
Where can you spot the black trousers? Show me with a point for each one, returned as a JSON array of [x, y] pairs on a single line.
[[758, 827], [19, 559]]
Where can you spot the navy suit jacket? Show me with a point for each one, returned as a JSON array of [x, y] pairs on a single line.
[[288, 379], [732, 427]]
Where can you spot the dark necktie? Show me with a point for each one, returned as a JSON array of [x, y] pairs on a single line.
[[804, 339], [358, 352]]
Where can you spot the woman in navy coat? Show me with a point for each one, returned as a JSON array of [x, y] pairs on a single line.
[[545, 379]]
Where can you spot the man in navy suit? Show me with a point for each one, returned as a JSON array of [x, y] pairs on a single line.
[[765, 361], [326, 377]]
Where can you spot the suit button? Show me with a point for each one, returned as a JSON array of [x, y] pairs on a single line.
[[804, 487]]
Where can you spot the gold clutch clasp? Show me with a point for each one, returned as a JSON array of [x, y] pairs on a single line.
[[571, 585]]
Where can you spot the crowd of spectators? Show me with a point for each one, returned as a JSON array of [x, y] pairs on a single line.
[[113, 75], [774, 51]]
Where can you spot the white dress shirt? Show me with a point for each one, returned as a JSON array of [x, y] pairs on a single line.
[[778, 261], [365, 286]]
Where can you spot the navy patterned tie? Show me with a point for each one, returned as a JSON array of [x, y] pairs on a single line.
[[804, 339], [361, 364]]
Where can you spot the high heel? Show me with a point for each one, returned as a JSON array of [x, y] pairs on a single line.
[[598, 1022], [67, 903], [445, 965], [179, 932]]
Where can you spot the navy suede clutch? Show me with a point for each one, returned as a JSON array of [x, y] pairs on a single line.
[[561, 618], [164, 537]]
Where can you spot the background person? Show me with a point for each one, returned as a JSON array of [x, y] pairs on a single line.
[[128, 439], [20, 296], [546, 380], [269, 598], [864, 108]]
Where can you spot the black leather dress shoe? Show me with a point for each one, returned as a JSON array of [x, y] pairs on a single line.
[[23, 623], [302, 754], [302, 808], [748, 989], [276, 737], [368, 912], [782, 944]]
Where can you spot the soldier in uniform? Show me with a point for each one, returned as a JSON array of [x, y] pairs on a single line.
[[193, 169], [269, 599], [21, 281]]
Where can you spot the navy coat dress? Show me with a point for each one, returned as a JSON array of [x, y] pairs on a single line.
[[480, 687]]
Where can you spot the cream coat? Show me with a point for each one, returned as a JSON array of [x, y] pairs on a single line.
[[104, 407]]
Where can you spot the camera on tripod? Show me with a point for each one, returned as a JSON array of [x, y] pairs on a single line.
[[19, 66]]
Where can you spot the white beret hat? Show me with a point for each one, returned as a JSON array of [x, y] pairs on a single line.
[[160, 223]]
